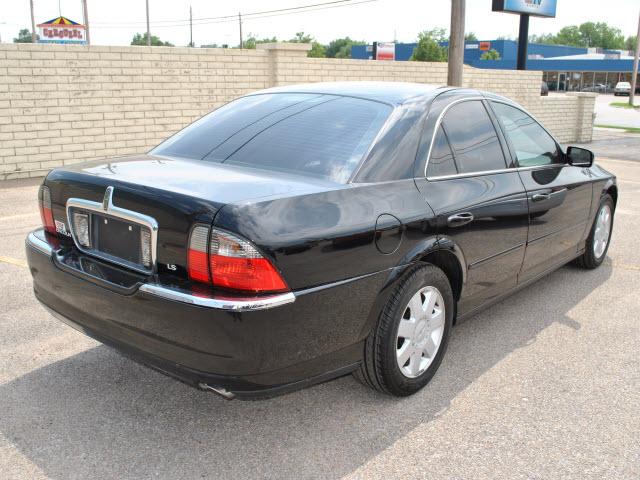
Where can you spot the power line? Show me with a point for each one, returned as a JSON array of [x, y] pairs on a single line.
[[233, 18]]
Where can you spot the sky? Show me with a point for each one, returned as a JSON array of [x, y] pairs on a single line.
[[113, 22]]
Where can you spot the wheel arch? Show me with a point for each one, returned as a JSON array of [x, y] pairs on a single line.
[[441, 252]]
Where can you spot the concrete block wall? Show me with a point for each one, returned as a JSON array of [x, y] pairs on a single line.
[[66, 104]]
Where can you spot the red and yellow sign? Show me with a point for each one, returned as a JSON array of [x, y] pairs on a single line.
[[62, 30]]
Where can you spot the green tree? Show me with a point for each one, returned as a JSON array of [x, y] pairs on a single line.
[[341, 47], [317, 50], [141, 39], [24, 36], [428, 48], [252, 41], [301, 37], [490, 55], [630, 43], [470, 37], [588, 34], [601, 35]]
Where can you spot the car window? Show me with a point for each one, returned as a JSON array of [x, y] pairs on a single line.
[[205, 134], [532, 144], [441, 161], [327, 140], [473, 138]]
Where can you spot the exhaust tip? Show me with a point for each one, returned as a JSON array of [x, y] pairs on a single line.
[[223, 392]]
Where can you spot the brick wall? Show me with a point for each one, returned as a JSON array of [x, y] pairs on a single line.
[[65, 104]]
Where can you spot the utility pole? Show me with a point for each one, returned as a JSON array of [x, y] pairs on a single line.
[[190, 27], [456, 44], [148, 29], [634, 78], [34, 37], [85, 14], [240, 25], [523, 41]]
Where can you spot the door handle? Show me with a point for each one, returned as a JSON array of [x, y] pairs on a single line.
[[539, 197], [459, 219]]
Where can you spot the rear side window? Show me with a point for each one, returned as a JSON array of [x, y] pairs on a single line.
[[326, 140], [473, 138], [532, 144], [441, 161]]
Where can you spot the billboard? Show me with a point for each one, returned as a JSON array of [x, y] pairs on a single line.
[[538, 8], [62, 30]]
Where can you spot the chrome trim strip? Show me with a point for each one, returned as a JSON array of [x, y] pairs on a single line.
[[109, 209], [486, 172], [439, 121], [236, 305], [495, 172], [40, 244]]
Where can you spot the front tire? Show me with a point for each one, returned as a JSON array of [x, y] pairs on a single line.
[[407, 345], [597, 243]]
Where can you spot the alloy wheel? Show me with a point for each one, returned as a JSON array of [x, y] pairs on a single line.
[[603, 230], [420, 332]]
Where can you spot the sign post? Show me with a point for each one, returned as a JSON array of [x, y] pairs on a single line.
[[525, 8]]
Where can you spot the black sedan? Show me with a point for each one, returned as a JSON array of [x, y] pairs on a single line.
[[302, 233]]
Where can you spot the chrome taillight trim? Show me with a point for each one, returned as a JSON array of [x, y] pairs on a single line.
[[37, 240], [235, 304], [107, 208]]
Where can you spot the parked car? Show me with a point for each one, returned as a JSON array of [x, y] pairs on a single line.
[[598, 88], [544, 89], [302, 233], [622, 88]]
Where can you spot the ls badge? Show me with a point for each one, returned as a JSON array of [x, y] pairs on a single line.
[[61, 228]]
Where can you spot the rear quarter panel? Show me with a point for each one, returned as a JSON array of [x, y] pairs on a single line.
[[330, 236]]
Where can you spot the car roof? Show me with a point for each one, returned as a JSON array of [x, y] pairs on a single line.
[[388, 92]]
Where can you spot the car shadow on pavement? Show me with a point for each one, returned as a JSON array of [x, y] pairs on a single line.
[[99, 415]]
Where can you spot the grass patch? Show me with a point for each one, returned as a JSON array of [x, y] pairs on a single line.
[[617, 127], [623, 105]]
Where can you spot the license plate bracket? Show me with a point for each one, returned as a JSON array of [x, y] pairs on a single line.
[[116, 238]]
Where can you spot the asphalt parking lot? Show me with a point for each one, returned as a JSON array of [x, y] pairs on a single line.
[[545, 384]]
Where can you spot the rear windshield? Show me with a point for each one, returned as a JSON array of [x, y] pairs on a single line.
[[323, 136]]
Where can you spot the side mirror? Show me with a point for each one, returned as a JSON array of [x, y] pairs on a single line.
[[580, 157]]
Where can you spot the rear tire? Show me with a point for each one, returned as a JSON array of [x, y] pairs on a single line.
[[599, 237], [406, 347]]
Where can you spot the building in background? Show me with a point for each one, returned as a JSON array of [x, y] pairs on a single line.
[[62, 30], [564, 68]]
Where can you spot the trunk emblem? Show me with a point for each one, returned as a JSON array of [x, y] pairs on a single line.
[[106, 200]]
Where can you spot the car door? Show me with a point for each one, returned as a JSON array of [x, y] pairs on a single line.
[[479, 201], [559, 195]]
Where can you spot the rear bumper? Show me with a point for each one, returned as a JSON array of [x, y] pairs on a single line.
[[237, 347]]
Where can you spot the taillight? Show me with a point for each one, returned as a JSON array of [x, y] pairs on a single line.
[[46, 214], [198, 261], [233, 263]]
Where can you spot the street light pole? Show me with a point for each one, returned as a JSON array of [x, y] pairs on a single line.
[[34, 37], [148, 29], [190, 27], [85, 13], [240, 25], [634, 78], [456, 44]]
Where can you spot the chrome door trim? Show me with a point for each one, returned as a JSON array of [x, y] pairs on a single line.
[[485, 172], [109, 209], [439, 121]]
